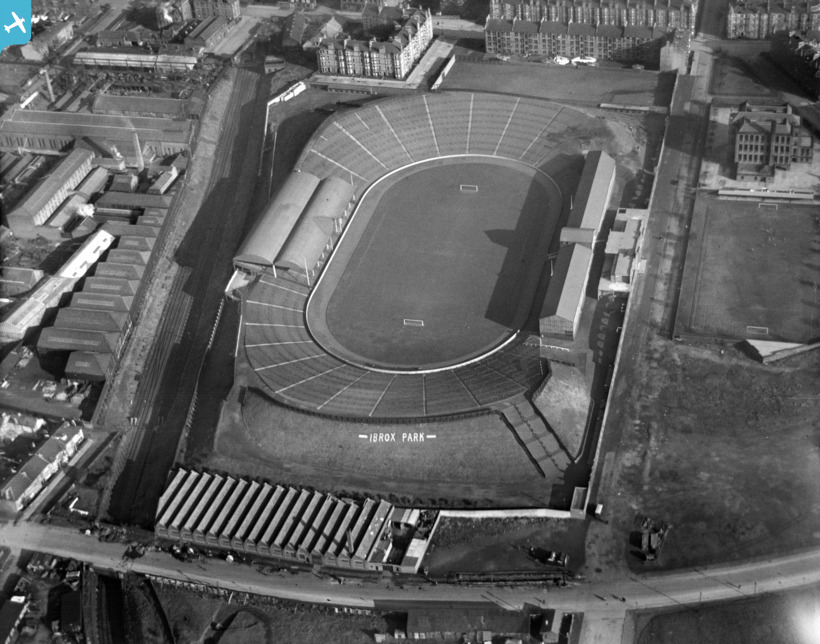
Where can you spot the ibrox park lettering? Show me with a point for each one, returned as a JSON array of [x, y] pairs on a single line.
[[390, 437]]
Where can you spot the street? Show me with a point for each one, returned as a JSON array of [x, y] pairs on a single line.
[[596, 600]]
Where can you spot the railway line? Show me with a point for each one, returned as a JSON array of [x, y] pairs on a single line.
[[204, 257]]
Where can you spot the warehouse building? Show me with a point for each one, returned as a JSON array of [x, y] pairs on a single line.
[[134, 59], [266, 520], [209, 32], [17, 280], [28, 314], [561, 311], [41, 131], [41, 202]]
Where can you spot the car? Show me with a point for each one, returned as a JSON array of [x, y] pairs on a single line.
[[560, 559], [638, 66], [561, 60], [584, 60]]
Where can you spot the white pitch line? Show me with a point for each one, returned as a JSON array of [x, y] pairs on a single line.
[[276, 344], [289, 290], [275, 306], [318, 375], [282, 364], [287, 326]]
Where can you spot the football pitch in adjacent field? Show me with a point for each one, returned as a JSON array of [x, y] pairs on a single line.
[[439, 264], [752, 271]]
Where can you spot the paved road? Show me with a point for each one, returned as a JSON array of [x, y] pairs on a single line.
[[599, 600]]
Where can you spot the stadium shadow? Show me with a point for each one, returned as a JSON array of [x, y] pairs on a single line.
[[527, 247]]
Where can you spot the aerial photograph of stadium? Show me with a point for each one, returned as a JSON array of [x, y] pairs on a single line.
[[464, 321]]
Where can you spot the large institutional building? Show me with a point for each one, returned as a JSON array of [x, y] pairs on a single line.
[[759, 19], [767, 137], [609, 42], [393, 58], [658, 14]]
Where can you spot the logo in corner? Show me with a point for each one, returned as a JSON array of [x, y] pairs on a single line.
[[15, 18]]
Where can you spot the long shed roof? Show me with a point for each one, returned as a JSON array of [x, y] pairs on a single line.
[[274, 225], [568, 283], [315, 226]]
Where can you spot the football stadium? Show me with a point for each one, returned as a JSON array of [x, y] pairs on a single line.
[[400, 271]]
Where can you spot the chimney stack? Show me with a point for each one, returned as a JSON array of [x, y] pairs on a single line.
[[138, 149]]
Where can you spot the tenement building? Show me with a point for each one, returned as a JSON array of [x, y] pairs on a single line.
[[546, 38], [393, 58], [657, 14], [798, 54], [769, 136], [759, 19], [214, 8]]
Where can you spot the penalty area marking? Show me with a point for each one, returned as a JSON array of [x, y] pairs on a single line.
[[467, 188], [409, 322]]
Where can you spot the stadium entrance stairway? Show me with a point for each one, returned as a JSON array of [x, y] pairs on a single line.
[[536, 438]]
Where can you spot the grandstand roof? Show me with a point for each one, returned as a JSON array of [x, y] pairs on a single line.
[[88, 365], [592, 194], [315, 226], [567, 286], [274, 225]]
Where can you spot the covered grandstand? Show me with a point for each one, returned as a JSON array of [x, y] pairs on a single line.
[[266, 520], [350, 152]]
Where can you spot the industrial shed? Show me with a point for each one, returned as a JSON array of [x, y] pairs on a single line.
[[110, 286], [102, 301], [86, 365], [309, 240], [54, 339], [566, 291], [263, 244], [121, 271], [591, 199], [71, 317], [16, 280]]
